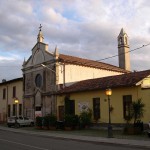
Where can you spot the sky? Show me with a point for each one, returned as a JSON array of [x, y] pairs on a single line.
[[82, 28]]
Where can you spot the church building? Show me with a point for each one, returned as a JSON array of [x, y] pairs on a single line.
[[46, 72]]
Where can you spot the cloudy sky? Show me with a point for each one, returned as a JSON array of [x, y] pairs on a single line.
[[83, 28]]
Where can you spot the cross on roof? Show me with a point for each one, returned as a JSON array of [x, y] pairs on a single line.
[[40, 27]]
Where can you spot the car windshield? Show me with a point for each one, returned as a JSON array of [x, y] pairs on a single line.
[[26, 118], [21, 118]]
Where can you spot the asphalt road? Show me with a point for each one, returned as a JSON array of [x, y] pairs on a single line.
[[19, 141]]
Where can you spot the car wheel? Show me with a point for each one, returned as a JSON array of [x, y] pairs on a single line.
[[17, 125], [148, 134], [32, 124], [9, 126]]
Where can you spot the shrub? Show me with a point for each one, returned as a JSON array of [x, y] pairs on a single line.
[[76, 120], [85, 118], [39, 121], [52, 120], [69, 120], [46, 121], [137, 110]]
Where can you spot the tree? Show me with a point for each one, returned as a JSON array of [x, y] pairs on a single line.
[[137, 111]]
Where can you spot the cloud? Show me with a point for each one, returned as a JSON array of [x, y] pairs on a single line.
[[84, 28]]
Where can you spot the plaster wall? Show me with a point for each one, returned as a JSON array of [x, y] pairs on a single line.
[[74, 73], [116, 101]]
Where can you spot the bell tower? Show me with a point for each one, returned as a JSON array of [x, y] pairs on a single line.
[[123, 50]]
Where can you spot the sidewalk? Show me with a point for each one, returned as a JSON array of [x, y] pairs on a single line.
[[98, 140]]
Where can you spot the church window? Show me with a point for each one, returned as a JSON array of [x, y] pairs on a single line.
[[38, 80], [120, 41], [38, 108], [14, 91], [4, 93], [126, 42]]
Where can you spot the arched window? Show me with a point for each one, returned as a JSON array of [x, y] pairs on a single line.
[[38, 80], [126, 41], [120, 41]]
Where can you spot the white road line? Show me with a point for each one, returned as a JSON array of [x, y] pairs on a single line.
[[23, 144]]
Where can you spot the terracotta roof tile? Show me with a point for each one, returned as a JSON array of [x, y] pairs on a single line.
[[89, 63], [13, 80], [124, 80]]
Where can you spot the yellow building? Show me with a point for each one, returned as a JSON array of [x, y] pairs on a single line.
[[9, 92], [91, 94]]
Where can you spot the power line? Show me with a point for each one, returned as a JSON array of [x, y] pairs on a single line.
[[106, 57], [125, 52]]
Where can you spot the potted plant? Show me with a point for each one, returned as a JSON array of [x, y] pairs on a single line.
[[85, 118], [75, 122], [39, 122], [52, 121], [129, 128], [137, 113], [68, 122], [45, 122]]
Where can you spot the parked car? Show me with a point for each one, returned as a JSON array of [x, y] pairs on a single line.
[[19, 121]]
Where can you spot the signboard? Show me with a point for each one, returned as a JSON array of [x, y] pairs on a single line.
[[38, 114], [83, 106]]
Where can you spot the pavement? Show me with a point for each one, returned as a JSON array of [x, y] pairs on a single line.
[[143, 144]]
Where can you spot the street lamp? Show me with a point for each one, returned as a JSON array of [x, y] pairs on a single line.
[[16, 102], [109, 93], [48, 68]]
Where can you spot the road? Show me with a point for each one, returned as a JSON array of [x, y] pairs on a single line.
[[20, 141]]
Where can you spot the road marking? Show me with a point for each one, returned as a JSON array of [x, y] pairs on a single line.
[[23, 144]]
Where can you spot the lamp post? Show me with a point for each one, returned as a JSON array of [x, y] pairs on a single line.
[[48, 68], [16, 102], [110, 133]]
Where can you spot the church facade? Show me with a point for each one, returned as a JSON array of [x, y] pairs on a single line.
[[45, 72]]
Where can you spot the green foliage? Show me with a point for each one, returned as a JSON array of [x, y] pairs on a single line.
[[75, 120], [49, 120], [85, 118], [39, 121], [128, 119], [46, 121], [137, 110], [69, 120], [52, 120]]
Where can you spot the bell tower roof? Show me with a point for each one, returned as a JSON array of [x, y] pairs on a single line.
[[56, 53], [123, 50], [122, 33], [40, 35]]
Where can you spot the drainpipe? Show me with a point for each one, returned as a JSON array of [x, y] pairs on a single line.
[[64, 74]]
